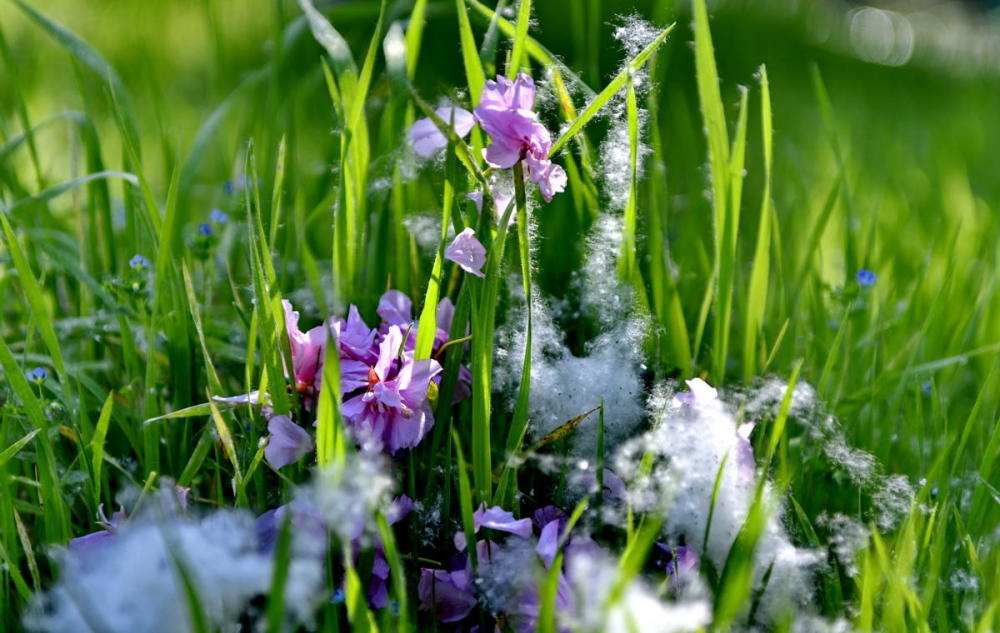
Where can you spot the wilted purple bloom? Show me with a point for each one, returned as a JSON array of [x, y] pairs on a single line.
[[205, 229], [287, 443], [138, 262], [866, 278], [307, 349], [218, 216], [550, 178], [448, 593], [427, 139], [394, 407], [466, 251]]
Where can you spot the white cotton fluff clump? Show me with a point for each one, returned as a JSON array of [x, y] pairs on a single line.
[[425, 229], [634, 34], [347, 493], [507, 575], [847, 538], [593, 576], [131, 584], [892, 495], [696, 436], [564, 385]]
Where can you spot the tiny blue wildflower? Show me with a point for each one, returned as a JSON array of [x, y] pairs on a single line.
[[866, 278], [218, 216], [38, 374], [926, 388], [228, 187], [337, 597], [205, 229], [394, 608], [138, 262]]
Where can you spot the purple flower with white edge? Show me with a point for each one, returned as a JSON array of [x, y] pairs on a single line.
[[466, 251], [425, 136], [392, 407], [287, 443]]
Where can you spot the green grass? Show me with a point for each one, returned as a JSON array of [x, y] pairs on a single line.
[[777, 169]]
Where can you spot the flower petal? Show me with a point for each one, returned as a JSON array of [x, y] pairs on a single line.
[[288, 442], [466, 251]]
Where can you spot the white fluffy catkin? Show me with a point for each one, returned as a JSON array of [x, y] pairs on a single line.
[[695, 437], [131, 584]]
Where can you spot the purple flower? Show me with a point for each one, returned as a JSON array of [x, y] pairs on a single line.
[[138, 262], [218, 216], [866, 278], [427, 139], [495, 518], [466, 251], [550, 178], [505, 113], [502, 198], [355, 338], [395, 308], [287, 443], [307, 349], [393, 406], [448, 593], [679, 563]]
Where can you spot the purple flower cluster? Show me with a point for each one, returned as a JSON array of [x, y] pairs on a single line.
[[506, 113], [383, 388]]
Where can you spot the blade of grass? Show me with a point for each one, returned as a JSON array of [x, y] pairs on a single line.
[[610, 90], [757, 291]]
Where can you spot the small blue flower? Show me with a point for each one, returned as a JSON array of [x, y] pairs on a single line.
[[205, 229], [926, 388], [228, 187], [138, 262], [337, 597], [218, 216], [866, 278], [38, 374]]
